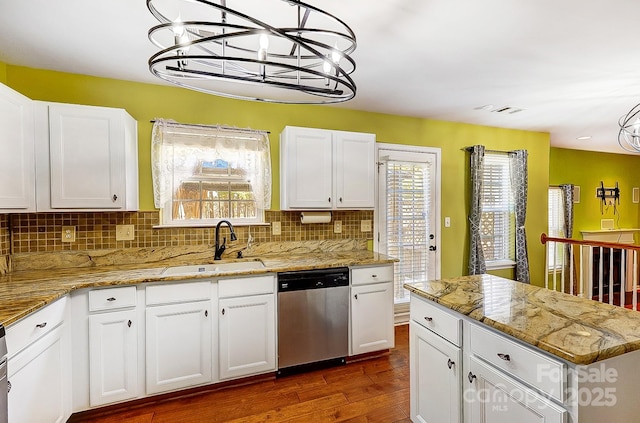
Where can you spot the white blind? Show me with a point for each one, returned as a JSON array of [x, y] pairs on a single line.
[[497, 226], [556, 226], [407, 204]]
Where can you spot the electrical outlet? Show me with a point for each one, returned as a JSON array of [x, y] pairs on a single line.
[[365, 226], [125, 232], [68, 234], [447, 222], [276, 228], [337, 227]]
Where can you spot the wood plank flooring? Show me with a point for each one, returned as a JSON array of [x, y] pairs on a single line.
[[369, 391]]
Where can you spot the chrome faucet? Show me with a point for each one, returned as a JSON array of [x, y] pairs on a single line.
[[219, 249]]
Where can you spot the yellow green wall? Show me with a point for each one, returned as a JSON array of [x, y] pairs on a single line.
[[146, 101], [587, 169], [3, 73]]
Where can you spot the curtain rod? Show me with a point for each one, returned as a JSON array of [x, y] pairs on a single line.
[[469, 149], [226, 128]]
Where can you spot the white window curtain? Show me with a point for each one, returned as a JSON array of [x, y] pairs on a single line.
[[179, 150]]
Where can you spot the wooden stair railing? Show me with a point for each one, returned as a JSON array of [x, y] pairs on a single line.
[[577, 270]]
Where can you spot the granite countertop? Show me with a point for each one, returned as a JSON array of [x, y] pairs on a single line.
[[575, 329], [23, 292]]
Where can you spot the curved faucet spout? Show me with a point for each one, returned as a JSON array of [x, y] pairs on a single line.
[[219, 249]]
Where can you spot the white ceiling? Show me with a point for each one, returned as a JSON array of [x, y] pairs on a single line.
[[572, 66]]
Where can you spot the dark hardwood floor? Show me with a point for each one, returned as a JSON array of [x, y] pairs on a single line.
[[372, 390]]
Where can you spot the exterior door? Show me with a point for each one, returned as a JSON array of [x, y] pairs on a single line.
[[408, 215]]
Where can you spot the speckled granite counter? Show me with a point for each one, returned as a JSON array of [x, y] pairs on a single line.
[[25, 291], [578, 330]]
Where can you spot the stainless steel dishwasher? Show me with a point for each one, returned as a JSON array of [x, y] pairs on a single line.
[[313, 318], [4, 385]]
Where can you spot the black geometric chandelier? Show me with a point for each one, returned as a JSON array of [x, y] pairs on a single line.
[[279, 51], [629, 134]]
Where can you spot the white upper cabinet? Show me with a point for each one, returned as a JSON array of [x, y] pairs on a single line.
[[87, 158], [322, 169], [17, 165]]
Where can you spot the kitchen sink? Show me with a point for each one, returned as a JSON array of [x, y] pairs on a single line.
[[234, 266]]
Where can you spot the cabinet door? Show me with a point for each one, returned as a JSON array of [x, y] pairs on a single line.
[[37, 377], [306, 174], [247, 335], [178, 346], [436, 383], [372, 317], [17, 162], [497, 398], [113, 355], [87, 157], [355, 170]]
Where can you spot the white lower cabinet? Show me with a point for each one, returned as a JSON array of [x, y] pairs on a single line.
[[371, 309], [178, 346], [39, 366], [495, 397], [246, 321], [247, 335], [113, 357], [432, 359]]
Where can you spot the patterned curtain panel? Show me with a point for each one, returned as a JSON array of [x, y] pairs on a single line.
[[476, 256], [567, 201], [519, 182]]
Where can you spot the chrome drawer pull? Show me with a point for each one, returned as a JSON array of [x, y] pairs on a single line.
[[471, 376], [505, 357], [41, 325], [111, 299], [428, 319], [450, 363]]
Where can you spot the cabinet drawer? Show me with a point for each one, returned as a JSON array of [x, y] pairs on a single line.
[[365, 275], [541, 372], [178, 292], [112, 298], [240, 287], [436, 319], [34, 326]]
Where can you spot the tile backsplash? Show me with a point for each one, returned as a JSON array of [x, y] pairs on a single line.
[[42, 232]]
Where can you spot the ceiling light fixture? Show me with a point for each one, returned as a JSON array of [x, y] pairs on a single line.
[[584, 138], [629, 135], [302, 57]]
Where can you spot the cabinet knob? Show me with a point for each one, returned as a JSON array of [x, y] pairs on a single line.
[[129, 323], [329, 200], [471, 377], [428, 319], [8, 386], [115, 197], [111, 299], [505, 357], [41, 325], [340, 199], [223, 311], [355, 296], [450, 363], [206, 313]]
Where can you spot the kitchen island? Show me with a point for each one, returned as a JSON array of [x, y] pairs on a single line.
[[503, 351]]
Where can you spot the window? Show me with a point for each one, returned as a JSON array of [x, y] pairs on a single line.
[[556, 228], [497, 222], [202, 174]]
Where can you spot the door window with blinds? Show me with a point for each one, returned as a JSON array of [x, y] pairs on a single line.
[[497, 221], [407, 215], [203, 174]]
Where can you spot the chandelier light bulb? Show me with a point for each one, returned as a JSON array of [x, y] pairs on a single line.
[[264, 41], [335, 56]]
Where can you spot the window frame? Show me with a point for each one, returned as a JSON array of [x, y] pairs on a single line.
[[214, 160], [505, 206], [557, 231]]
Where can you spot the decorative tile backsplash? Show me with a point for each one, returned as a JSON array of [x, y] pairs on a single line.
[[97, 230]]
